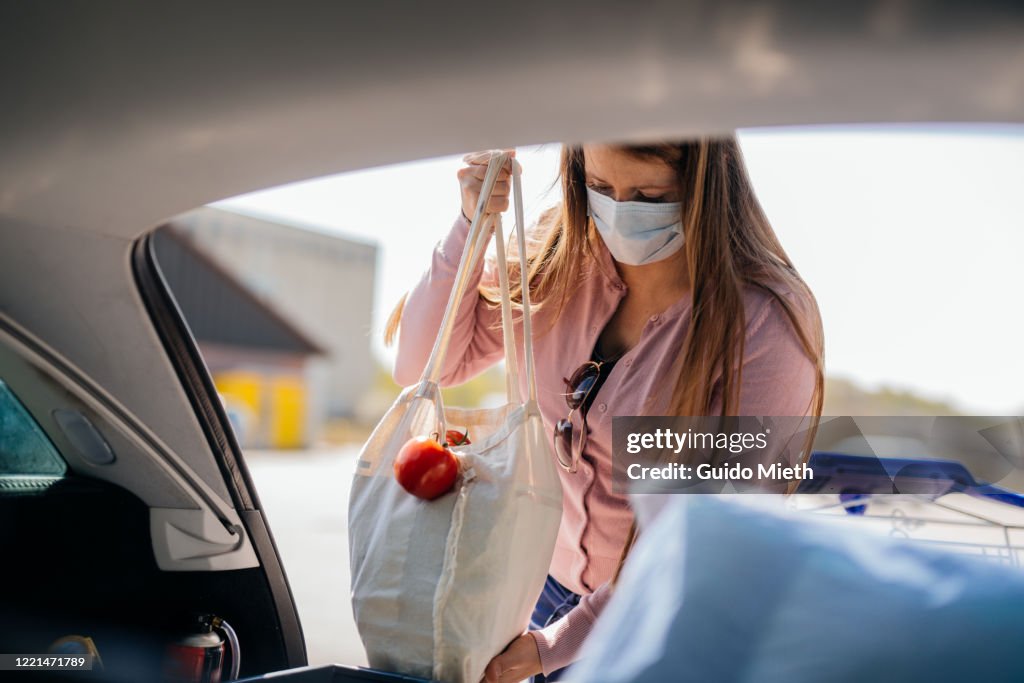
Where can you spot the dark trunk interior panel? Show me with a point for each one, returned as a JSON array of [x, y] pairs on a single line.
[[77, 560]]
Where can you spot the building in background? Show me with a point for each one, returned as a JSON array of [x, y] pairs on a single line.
[[258, 359], [320, 285]]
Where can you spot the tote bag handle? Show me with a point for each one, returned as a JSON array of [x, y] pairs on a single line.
[[476, 244]]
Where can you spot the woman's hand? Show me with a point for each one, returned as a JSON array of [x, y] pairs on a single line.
[[518, 661], [471, 178]]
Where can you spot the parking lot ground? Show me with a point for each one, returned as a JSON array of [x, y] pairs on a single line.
[[305, 498]]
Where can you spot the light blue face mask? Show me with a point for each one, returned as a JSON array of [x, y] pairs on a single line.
[[637, 233]]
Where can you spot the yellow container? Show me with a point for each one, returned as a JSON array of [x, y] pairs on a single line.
[[242, 387], [276, 404], [287, 412]]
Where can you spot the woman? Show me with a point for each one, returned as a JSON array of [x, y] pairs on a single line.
[[659, 289]]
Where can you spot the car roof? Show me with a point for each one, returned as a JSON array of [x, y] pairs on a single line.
[[119, 116]]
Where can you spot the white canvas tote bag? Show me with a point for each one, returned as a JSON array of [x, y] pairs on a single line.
[[440, 587]]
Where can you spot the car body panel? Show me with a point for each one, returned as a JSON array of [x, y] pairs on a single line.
[[120, 117]]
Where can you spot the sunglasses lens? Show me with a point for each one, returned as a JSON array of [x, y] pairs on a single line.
[[580, 384], [563, 442], [569, 441]]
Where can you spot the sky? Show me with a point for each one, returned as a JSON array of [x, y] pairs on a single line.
[[912, 239]]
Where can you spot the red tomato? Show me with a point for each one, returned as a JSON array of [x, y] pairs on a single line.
[[454, 437], [425, 468]]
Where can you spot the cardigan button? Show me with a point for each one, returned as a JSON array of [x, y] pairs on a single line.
[[602, 407]]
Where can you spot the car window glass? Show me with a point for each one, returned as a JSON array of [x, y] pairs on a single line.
[[24, 447]]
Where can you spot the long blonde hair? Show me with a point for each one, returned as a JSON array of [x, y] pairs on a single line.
[[729, 244]]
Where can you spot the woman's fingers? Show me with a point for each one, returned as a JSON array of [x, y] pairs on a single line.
[[478, 171], [484, 156], [519, 660], [475, 185], [497, 205], [471, 179], [492, 674]]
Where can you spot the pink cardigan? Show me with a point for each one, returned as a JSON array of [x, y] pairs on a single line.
[[778, 379]]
